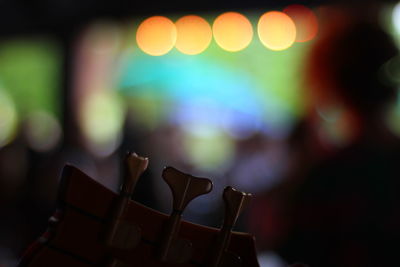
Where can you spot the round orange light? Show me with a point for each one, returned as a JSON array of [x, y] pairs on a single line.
[[193, 35], [305, 20], [232, 31], [276, 30], [156, 35]]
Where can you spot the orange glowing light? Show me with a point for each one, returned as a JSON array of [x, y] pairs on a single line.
[[305, 20], [232, 31], [276, 30], [194, 35], [156, 35]]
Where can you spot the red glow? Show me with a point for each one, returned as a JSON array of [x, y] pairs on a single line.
[[305, 20]]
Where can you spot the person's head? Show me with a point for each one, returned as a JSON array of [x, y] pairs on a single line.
[[344, 64]]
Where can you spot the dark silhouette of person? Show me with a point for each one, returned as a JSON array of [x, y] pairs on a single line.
[[344, 210]]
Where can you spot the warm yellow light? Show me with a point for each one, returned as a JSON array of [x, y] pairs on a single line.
[[43, 131], [305, 20], [156, 35], [193, 34], [8, 118], [101, 119], [210, 152], [276, 30], [232, 31]]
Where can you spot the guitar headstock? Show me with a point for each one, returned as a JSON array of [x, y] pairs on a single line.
[[102, 228]]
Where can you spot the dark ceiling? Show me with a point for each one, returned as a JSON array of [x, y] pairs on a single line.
[[62, 17], [58, 16]]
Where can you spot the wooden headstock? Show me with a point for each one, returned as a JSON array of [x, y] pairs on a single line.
[[94, 226]]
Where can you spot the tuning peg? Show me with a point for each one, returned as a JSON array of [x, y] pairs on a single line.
[[122, 234], [184, 188], [134, 167], [235, 202]]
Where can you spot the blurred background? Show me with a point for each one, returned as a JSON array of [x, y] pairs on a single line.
[[210, 88]]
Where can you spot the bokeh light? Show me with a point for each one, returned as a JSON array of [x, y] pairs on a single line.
[[334, 133], [210, 151], [101, 120], [30, 72], [392, 118], [305, 20], [396, 17], [43, 131], [276, 30], [193, 34], [232, 31], [389, 72], [156, 35], [8, 118], [104, 37]]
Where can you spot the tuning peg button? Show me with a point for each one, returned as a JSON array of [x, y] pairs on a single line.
[[134, 167], [184, 188], [235, 202]]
